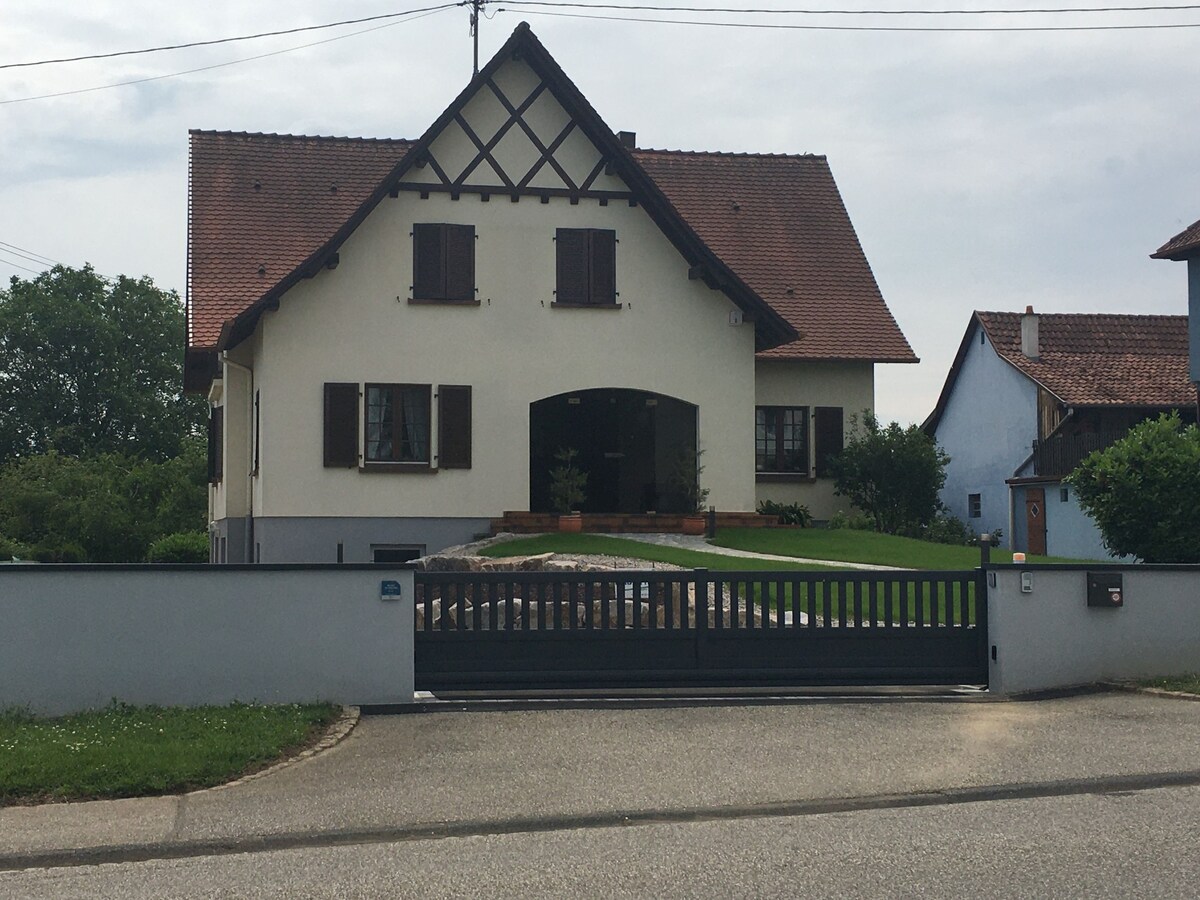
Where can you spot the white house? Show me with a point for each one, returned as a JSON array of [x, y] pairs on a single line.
[[1029, 395], [397, 336]]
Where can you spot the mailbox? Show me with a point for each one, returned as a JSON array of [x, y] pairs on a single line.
[[1105, 590]]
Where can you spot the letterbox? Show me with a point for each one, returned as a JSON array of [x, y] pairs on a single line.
[[1105, 589]]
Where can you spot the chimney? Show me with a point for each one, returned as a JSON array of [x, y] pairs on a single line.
[[1029, 334], [628, 139]]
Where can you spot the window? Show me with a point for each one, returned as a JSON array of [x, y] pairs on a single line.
[[216, 444], [397, 423], [1063, 495], [587, 267], [444, 263], [974, 506], [781, 439], [396, 553]]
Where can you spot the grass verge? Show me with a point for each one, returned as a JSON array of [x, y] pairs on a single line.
[[600, 544], [1184, 684], [849, 545], [128, 751]]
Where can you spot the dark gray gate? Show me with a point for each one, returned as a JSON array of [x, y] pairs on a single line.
[[554, 630]]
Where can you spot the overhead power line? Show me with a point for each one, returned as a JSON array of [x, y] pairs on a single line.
[[861, 12], [18, 266], [209, 43], [949, 29], [413, 14], [6, 247]]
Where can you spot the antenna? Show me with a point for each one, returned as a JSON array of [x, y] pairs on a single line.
[[476, 5]]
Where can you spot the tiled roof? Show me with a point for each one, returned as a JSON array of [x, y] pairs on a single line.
[[1101, 360], [1185, 243], [777, 221], [259, 205], [780, 224]]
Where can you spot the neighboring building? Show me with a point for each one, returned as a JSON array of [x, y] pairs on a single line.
[[396, 336], [1028, 396], [1186, 246]]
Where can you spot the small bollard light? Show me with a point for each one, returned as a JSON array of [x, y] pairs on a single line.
[[985, 549], [1018, 557]]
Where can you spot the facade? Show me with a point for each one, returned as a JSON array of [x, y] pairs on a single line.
[[1185, 247], [397, 337], [1029, 396]]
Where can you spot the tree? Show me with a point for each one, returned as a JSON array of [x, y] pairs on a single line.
[[90, 365], [892, 474], [1143, 491]]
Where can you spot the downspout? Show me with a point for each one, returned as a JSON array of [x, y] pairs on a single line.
[[250, 437]]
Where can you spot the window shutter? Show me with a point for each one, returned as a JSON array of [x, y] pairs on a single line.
[[216, 444], [454, 426], [572, 254], [604, 267], [429, 273], [460, 262], [829, 437], [341, 425]]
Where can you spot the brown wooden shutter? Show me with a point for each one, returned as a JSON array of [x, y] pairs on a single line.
[[828, 426], [429, 270], [454, 426], [460, 262], [572, 253], [216, 444], [341, 425], [603, 267]]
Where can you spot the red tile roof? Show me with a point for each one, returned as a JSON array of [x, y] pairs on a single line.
[[1101, 360], [777, 221], [259, 205], [1184, 244]]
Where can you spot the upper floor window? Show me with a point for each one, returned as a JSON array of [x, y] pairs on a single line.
[[397, 423], [444, 262], [781, 439], [587, 266]]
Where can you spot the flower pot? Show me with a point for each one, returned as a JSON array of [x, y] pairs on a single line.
[[571, 522], [693, 524]]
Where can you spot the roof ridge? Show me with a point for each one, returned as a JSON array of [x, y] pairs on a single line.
[[729, 153], [216, 132], [1084, 315]]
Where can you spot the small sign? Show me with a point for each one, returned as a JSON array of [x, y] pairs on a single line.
[[389, 590]]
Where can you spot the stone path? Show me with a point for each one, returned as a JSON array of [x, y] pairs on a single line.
[[700, 545]]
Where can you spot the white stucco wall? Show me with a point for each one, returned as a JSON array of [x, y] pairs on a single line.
[[671, 335], [988, 428], [849, 385]]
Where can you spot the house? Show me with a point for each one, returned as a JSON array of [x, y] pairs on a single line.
[[1186, 246], [397, 336], [1029, 395]]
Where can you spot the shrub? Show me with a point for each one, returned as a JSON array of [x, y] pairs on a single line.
[[788, 513], [568, 482], [181, 547], [10, 549], [944, 528], [854, 523]]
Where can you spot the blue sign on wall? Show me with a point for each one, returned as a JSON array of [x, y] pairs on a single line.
[[389, 590]]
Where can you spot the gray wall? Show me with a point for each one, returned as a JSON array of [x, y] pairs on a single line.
[[76, 637], [294, 539], [1050, 638]]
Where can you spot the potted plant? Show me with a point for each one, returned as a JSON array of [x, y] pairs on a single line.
[[567, 483], [686, 487]]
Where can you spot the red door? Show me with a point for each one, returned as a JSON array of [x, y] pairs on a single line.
[[1035, 520]]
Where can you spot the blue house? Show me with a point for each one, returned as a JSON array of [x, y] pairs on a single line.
[[1030, 395]]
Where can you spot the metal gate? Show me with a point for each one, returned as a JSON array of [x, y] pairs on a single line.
[[627, 629]]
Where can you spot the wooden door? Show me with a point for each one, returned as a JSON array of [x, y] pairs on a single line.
[[1035, 520]]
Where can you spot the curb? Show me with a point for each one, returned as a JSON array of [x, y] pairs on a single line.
[[1150, 691], [334, 735]]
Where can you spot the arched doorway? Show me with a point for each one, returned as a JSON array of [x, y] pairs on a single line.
[[634, 447]]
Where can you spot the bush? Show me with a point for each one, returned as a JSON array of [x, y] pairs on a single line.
[[944, 528], [1142, 492], [853, 523], [788, 513], [181, 547], [10, 549]]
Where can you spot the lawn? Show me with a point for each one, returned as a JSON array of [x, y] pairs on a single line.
[[862, 547], [609, 546], [126, 751]]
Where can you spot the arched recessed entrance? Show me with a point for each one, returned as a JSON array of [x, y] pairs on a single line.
[[635, 447]]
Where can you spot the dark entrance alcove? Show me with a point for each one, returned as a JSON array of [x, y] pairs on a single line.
[[633, 445]]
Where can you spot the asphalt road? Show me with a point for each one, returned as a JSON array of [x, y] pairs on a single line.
[[1136, 844]]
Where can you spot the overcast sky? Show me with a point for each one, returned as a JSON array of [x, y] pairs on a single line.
[[982, 171]]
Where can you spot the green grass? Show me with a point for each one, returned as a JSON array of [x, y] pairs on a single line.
[[610, 546], [126, 751], [847, 545], [1187, 684]]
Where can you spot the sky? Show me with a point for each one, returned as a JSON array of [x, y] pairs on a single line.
[[981, 170]]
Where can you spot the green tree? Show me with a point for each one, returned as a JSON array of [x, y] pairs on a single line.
[[91, 366], [104, 508], [892, 474], [1143, 491]]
